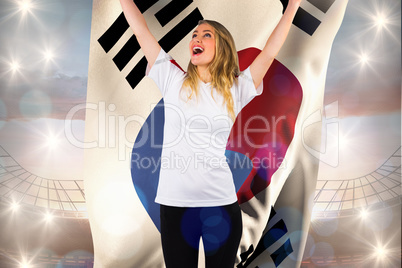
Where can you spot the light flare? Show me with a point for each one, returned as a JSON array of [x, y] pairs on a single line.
[[24, 264], [364, 59], [25, 6], [49, 55], [49, 217], [364, 214], [381, 21], [15, 66], [380, 252], [383, 16], [52, 141], [345, 141], [15, 206]]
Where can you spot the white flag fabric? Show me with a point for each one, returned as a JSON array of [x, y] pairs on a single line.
[[273, 150]]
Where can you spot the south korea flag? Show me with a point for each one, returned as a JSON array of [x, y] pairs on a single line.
[[124, 111]]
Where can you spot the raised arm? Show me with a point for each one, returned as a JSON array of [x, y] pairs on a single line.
[[147, 41], [263, 61]]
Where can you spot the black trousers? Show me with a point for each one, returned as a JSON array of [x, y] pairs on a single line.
[[219, 227]]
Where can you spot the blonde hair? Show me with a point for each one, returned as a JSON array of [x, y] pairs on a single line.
[[224, 68]]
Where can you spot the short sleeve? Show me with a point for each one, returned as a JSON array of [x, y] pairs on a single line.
[[164, 72], [247, 90]]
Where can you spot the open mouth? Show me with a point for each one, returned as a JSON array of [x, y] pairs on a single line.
[[197, 50]]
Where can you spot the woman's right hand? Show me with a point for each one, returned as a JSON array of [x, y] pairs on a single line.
[[136, 20]]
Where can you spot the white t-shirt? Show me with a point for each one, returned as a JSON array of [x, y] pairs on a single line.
[[194, 171]]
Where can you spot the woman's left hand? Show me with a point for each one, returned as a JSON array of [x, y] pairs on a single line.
[[263, 61]]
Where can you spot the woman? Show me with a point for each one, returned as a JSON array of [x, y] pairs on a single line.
[[197, 193]]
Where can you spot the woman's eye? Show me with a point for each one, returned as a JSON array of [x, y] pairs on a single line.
[[207, 35], [194, 36]]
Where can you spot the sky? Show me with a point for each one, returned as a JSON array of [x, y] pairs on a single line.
[[44, 72], [364, 78], [364, 73]]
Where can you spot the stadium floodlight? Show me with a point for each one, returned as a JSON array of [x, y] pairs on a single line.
[[364, 59], [380, 21], [49, 217], [15, 206], [52, 141], [15, 66], [381, 252], [25, 5], [364, 214], [48, 54], [25, 264]]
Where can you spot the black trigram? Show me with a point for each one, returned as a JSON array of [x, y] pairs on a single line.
[[277, 231], [304, 20], [131, 47]]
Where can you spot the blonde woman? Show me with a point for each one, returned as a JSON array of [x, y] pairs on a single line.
[[196, 193]]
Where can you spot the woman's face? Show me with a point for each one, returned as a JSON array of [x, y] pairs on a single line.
[[202, 45]]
